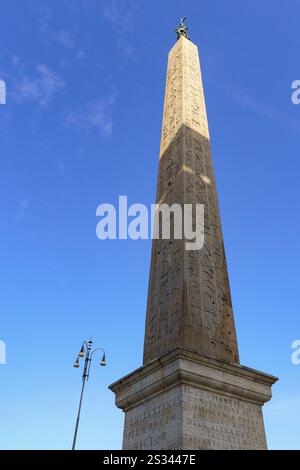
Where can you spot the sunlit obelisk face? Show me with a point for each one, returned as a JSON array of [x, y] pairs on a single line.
[[191, 392], [189, 303]]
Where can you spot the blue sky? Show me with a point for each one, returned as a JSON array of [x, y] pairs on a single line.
[[85, 85]]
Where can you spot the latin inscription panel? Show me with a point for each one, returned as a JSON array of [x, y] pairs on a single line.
[[213, 421], [186, 417]]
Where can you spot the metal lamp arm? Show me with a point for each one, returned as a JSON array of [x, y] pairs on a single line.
[[90, 360], [97, 349]]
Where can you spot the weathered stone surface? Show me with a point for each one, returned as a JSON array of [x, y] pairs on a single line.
[[189, 303], [191, 393], [186, 401]]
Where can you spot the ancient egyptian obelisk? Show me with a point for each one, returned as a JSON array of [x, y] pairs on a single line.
[[191, 392]]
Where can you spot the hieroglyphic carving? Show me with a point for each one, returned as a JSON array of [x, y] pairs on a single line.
[[186, 176], [189, 398]]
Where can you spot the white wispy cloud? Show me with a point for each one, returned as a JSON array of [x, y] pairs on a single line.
[[44, 15], [121, 15], [81, 55], [75, 6], [40, 87], [244, 99], [62, 37], [22, 209], [16, 60], [65, 38], [95, 115]]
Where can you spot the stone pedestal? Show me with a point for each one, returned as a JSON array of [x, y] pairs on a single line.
[[187, 401]]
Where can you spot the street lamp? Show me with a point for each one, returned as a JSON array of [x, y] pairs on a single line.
[[85, 351]]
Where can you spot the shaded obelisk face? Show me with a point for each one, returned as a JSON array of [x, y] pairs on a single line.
[[189, 303], [191, 392]]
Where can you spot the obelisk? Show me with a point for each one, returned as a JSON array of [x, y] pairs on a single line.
[[191, 392]]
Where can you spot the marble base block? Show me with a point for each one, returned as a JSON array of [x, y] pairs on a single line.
[[187, 401]]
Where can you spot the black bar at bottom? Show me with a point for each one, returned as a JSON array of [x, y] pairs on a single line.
[[133, 459]]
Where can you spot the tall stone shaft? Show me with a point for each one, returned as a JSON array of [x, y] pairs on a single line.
[[191, 392], [189, 303]]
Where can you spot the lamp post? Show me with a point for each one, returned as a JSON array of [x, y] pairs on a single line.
[[87, 353]]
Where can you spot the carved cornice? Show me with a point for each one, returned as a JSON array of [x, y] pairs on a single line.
[[184, 367]]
